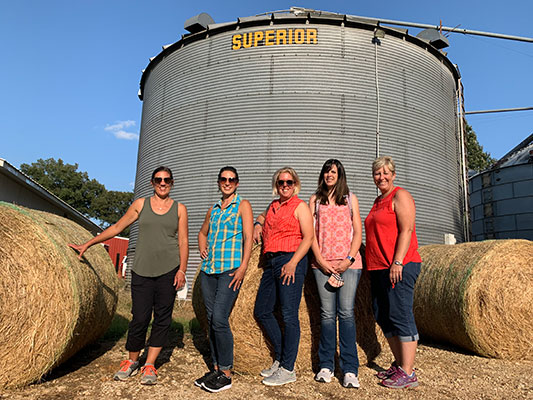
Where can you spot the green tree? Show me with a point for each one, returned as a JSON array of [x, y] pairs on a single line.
[[477, 159], [74, 187]]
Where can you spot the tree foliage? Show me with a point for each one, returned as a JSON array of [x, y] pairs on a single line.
[[75, 188], [477, 159]]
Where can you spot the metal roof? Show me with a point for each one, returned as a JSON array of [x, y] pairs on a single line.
[[294, 15], [24, 180]]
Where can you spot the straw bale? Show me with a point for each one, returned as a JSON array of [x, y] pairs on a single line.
[[478, 296], [52, 304], [252, 350]]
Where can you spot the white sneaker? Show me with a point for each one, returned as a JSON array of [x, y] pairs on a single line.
[[324, 375], [280, 377], [269, 371], [351, 381]]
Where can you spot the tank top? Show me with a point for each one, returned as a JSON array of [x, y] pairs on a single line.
[[381, 234], [281, 231], [334, 232], [157, 250], [224, 243]]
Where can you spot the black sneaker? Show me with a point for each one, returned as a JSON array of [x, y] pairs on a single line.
[[198, 382], [217, 383]]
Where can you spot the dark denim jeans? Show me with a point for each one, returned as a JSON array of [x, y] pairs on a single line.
[[219, 300], [289, 296], [338, 302], [393, 307]]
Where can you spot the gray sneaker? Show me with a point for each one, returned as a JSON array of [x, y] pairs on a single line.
[[149, 375], [280, 377], [351, 381], [127, 368], [269, 371]]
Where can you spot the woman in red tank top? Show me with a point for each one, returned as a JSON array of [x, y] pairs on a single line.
[[286, 229], [394, 264]]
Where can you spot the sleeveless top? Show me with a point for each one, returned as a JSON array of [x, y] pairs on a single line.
[[281, 231], [334, 232], [381, 229], [157, 250], [224, 242]]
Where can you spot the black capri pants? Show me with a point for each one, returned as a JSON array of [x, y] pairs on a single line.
[[151, 294]]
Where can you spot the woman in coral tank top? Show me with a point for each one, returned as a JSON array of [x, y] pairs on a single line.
[[394, 264], [337, 269]]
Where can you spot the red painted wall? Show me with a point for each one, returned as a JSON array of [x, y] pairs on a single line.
[[117, 248]]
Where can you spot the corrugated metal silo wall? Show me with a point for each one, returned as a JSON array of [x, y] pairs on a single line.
[[501, 203], [261, 108]]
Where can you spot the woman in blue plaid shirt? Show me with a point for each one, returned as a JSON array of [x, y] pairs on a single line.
[[225, 243]]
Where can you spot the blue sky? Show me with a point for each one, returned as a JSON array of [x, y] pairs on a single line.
[[71, 70]]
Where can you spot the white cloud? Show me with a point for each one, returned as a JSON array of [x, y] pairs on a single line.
[[118, 130]]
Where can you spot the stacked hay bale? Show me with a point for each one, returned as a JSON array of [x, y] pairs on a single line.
[[252, 350], [478, 296], [51, 304]]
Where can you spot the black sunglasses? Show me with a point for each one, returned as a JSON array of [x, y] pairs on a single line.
[[157, 180], [223, 179], [289, 182]]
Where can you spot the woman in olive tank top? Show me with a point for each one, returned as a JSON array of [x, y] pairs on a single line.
[[158, 272]]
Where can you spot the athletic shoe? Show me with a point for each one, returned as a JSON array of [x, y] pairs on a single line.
[[127, 368], [149, 375], [217, 382], [400, 380], [351, 381], [388, 373], [269, 371], [324, 375], [198, 382], [280, 377]]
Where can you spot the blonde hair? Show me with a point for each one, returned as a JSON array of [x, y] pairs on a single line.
[[384, 161], [295, 177]]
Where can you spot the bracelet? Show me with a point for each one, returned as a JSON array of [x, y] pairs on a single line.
[[352, 259], [258, 223], [179, 270], [398, 263]]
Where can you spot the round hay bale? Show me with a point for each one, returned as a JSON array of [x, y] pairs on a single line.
[[51, 304], [252, 351], [478, 296]]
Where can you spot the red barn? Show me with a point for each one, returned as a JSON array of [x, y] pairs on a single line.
[[117, 248]]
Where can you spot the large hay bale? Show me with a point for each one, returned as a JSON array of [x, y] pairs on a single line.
[[478, 296], [51, 304], [253, 352]]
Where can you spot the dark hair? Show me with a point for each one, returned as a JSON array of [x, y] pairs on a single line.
[[341, 187], [230, 169], [159, 169]]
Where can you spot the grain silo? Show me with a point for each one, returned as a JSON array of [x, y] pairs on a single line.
[[501, 198], [297, 88]]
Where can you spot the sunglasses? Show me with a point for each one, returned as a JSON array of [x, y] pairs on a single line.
[[157, 180], [223, 179], [289, 182]]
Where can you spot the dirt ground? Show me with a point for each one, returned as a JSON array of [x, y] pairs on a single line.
[[444, 373]]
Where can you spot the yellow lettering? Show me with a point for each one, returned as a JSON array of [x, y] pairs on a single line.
[[281, 36], [258, 36], [299, 36], [290, 36], [247, 40], [236, 42], [312, 36], [269, 37]]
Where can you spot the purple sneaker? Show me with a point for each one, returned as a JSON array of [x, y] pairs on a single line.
[[388, 373], [400, 380]]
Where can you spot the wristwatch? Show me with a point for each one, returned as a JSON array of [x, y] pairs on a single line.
[[398, 263], [352, 259]]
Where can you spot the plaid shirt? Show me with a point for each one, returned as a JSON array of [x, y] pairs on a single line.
[[224, 240]]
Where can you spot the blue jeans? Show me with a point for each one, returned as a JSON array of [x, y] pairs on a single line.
[[289, 296], [393, 307], [219, 300], [338, 302]]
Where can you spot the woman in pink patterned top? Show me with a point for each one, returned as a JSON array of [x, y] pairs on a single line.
[[337, 269]]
